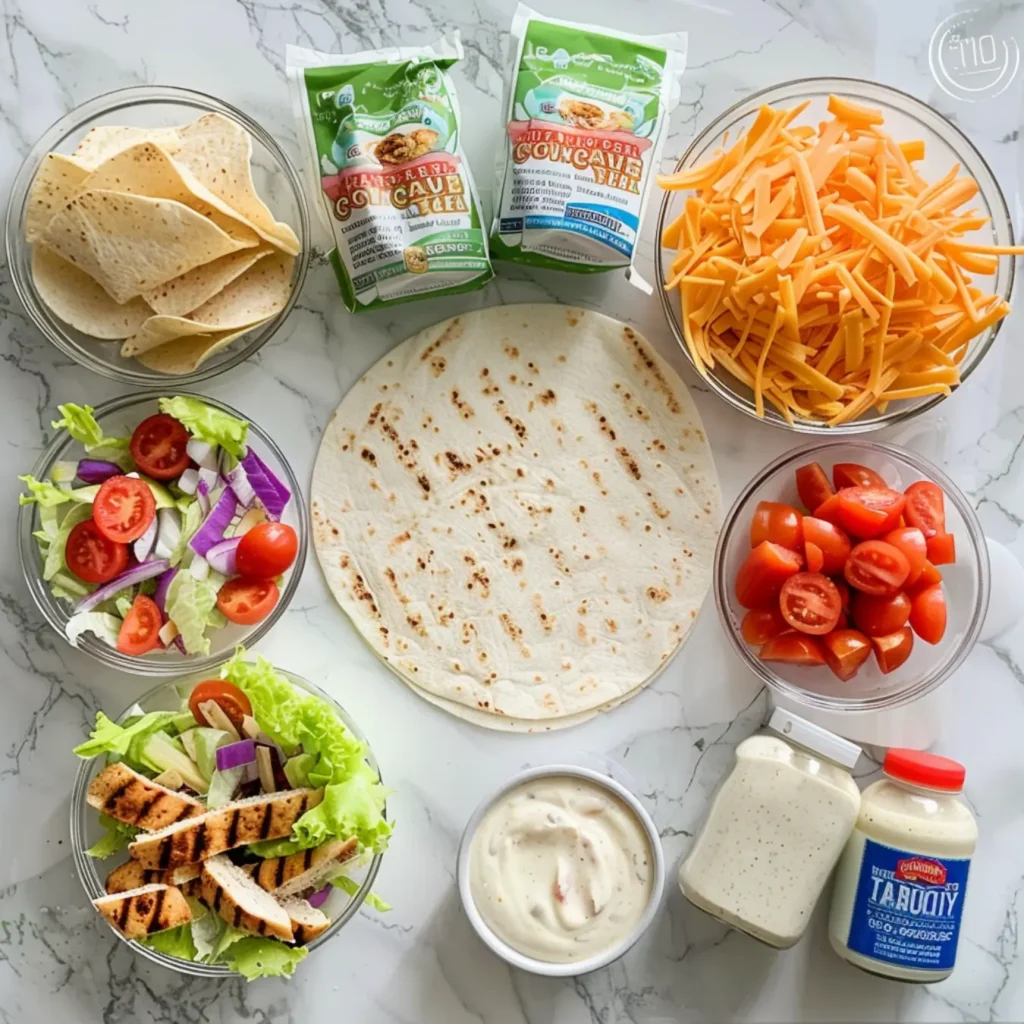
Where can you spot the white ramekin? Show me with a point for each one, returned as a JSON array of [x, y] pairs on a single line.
[[528, 963]]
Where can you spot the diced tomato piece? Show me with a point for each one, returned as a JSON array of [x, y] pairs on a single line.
[[140, 631], [910, 540], [844, 591], [878, 615], [893, 650], [930, 577], [776, 522], [868, 512], [815, 557], [793, 649], [845, 651], [810, 603], [830, 540], [852, 474], [761, 624], [876, 567], [812, 485], [928, 614], [828, 510], [942, 549], [926, 508], [761, 576]]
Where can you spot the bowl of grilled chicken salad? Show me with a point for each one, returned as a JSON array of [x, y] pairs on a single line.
[[229, 825]]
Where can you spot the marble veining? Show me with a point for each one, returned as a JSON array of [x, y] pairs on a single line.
[[421, 963]]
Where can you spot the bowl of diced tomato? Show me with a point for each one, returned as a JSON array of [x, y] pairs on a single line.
[[852, 576]]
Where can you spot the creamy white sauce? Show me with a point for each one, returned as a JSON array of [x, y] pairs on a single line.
[[561, 869], [774, 832]]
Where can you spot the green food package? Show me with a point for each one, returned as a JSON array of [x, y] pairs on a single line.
[[586, 115], [385, 162]]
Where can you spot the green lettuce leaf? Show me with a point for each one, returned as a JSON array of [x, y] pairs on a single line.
[[353, 798], [49, 495], [351, 886], [55, 561], [191, 520], [263, 958], [108, 737], [189, 603], [173, 942], [208, 423], [118, 836], [80, 423], [105, 625]]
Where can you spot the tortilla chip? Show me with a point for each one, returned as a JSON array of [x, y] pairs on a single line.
[[145, 169], [56, 181], [131, 244], [79, 301], [159, 330], [219, 153], [180, 295], [106, 140], [187, 354]]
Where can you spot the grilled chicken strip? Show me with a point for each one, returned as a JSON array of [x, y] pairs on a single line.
[[307, 869], [230, 892], [126, 795], [132, 875], [307, 921], [267, 816], [146, 910]]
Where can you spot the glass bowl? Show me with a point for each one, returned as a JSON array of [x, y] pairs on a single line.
[[86, 830], [119, 417], [966, 583], [277, 183], [906, 117]]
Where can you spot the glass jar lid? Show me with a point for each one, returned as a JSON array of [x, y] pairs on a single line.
[[814, 737]]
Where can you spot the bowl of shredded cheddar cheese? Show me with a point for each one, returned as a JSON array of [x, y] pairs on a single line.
[[835, 256]]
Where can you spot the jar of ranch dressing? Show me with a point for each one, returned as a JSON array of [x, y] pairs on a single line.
[[901, 883], [776, 829]]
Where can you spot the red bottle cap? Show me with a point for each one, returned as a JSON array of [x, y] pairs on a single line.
[[920, 768]]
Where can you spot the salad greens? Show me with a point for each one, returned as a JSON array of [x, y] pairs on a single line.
[[310, 746], [82, 425], [208, 423]]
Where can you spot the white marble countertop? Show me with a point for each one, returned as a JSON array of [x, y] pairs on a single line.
[[421, 963]]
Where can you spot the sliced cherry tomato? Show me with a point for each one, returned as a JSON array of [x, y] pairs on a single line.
[[776, 522], [810, 603], [92, 557], [761, 624], [928, 614], [267, 550], [845, 651], [158, 447], [876, 615], [893, 650], [875, 567], [123, 508], [794, 649], [140, 631], [869, 511], [910, 540], [926, 508], [828, 510], [852, 474], [942, 549], [930, 576], [812, 485], [231, 700], [830, 540], [815, 557], [761, 576], [247, 601]]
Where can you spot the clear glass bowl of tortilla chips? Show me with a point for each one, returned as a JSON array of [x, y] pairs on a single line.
[[120, 417], [341, 905], [933, 341], [157, 234]]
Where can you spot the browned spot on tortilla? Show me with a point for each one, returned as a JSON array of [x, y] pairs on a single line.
[[514, 632], [547, 622], [581, 632], [658, 594], [517, 425], [374, 414], [455, 463], [646, 360], [401, 539], [438, 365], [613, 626], [466, 411], [424, 481], [602, 421], [480, 581], [628, 462], [361, 592], [516, 565], [367, 456], [659, 510], [511, 351], [450, 333], [547, 397], [623, 521], [572, 318]]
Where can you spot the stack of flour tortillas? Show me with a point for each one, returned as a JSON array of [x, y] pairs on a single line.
[[157, 236], [518, 510]]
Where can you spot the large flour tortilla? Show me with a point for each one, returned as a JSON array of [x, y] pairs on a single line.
[[518, 510]]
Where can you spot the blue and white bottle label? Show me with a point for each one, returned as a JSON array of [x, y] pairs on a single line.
[[907, 908]]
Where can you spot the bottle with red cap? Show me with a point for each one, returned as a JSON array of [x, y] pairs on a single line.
[[901, 882]]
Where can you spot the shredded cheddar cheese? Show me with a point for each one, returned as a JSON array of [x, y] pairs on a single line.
[[816, 266]]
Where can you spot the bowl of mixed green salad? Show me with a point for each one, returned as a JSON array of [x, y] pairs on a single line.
[[159, 531], [229, 825]]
